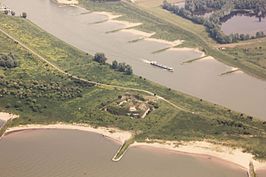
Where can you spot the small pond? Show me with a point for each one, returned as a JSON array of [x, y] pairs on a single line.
[[244, 24]]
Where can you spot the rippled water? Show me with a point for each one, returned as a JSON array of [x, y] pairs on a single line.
[[69, 153], [202, 78]]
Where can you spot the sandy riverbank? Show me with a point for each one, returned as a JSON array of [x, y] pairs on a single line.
[[195, 148], [68, 2], [109, 15], [170, 43], [204, 148], [188, 49], [112, 133], [6, 116]]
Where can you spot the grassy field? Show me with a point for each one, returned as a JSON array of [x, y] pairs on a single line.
[[254, 52], [40, 94], [172, 27]]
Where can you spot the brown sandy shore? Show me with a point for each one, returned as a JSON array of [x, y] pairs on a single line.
[[68, 2], [6, 116], [195, 148]]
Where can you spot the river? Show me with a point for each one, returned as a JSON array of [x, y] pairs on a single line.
[[1, 123], [202, 78], [73, 153]]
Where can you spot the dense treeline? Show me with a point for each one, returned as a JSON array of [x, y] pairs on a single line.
[[203, 5], [121, 67], [8, 60], [206, 5], [222, 10]]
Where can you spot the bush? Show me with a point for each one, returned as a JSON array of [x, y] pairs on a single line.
[[24, 15], [100, 58], [8, 61]]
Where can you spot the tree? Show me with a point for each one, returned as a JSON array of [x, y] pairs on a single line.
[[24, 15], [100, 58], [121, 67], [13, 13], [6, 12], [128, 70], [114, 64]]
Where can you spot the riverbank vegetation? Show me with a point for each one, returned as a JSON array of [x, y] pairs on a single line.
[[253, 52], [221, 11], [58, 97], [8, 60]]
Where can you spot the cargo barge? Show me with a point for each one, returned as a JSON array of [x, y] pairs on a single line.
[[154, 63]]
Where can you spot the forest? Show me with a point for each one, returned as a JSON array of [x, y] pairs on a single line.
[[221, 11]]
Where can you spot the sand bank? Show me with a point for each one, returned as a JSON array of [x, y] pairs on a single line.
[[126, 24], [204, 148], [68, 2], [189, 49], [138, 32], [171, 43], [6, 116], [109, 15], [112, 133]]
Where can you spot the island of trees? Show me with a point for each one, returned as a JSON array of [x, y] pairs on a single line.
[[221, 10]]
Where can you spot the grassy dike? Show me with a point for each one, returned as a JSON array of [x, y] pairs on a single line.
[[40, 94], [171, 27]]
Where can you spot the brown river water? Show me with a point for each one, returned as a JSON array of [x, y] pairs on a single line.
[[202, 78], [244, 25], [71, 153]]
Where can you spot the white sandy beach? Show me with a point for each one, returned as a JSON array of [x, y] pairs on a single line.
[[112, 133], [6, 116], [171, 43], [204, 148], [68, 2]]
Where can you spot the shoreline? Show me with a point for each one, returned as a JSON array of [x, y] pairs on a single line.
[[222, 153], [67, 2], [225, 154], [114, 134], [7, 116], [129, 27]]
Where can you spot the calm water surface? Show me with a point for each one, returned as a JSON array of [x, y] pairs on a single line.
[[69, 153], [244, 25], [202, 78], [261, 173]]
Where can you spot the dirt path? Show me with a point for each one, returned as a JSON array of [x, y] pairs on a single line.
[[88, 81]]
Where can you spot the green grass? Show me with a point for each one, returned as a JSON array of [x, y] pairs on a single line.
[[254, 54], [212, 122]]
